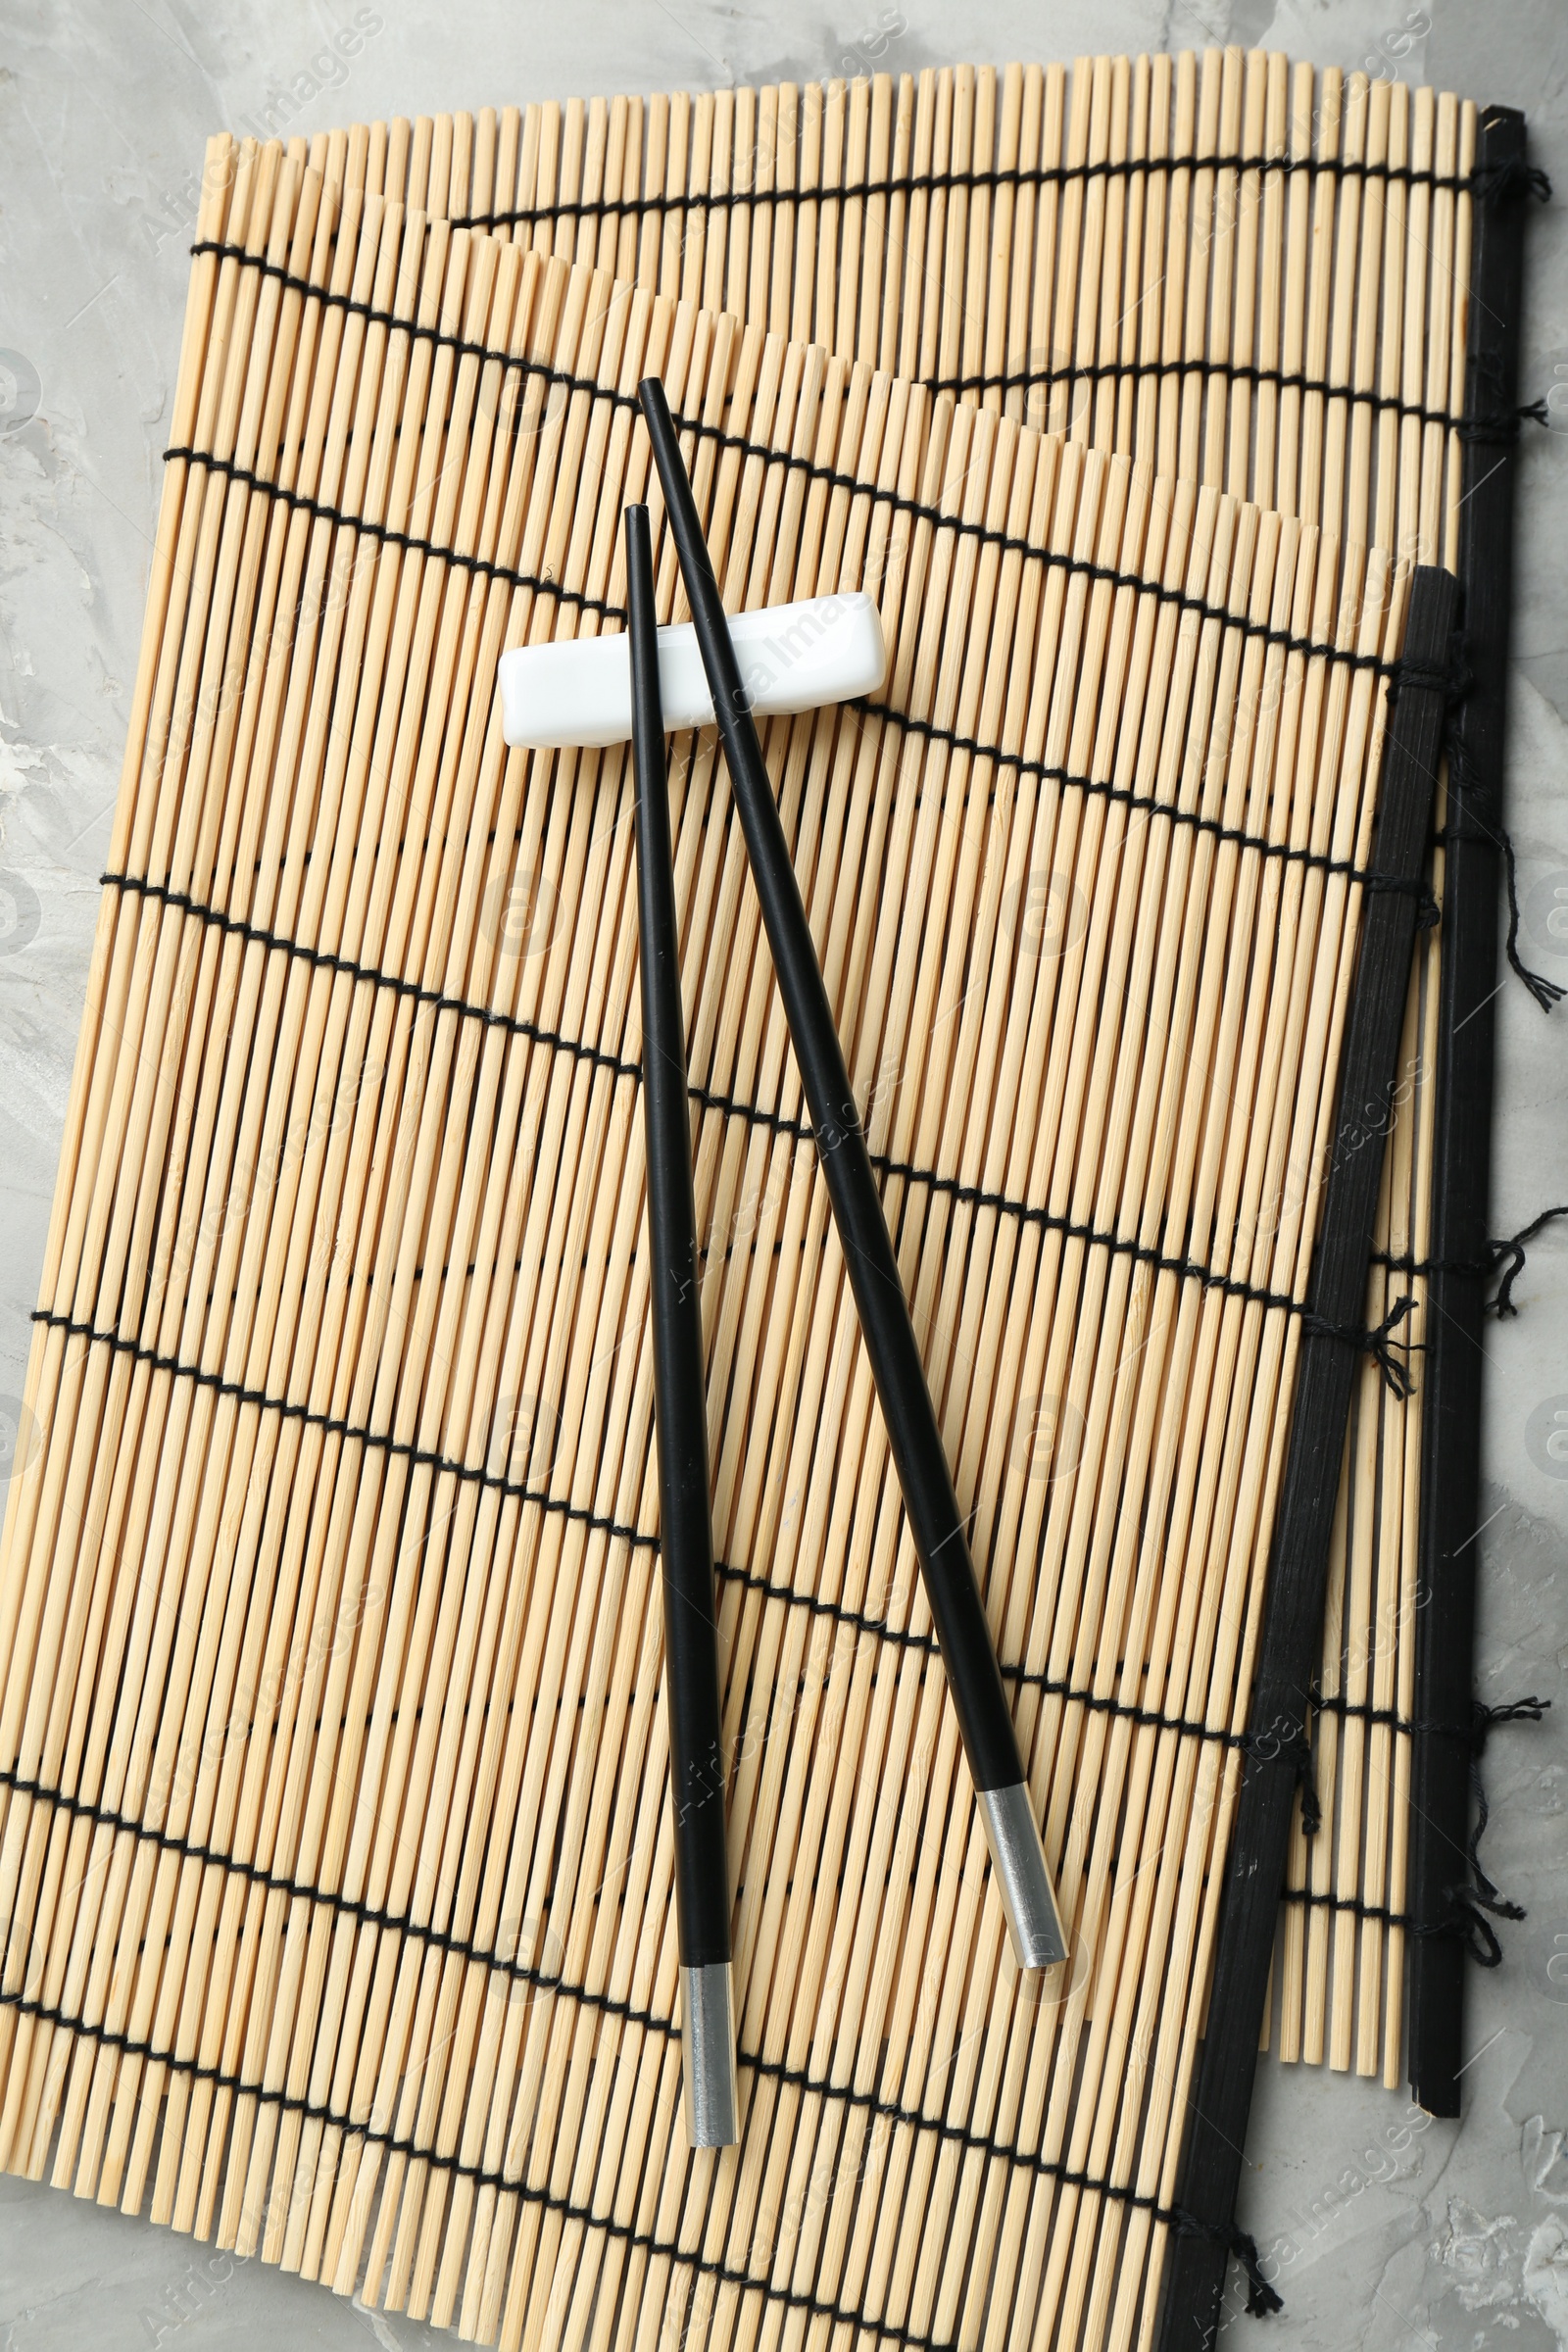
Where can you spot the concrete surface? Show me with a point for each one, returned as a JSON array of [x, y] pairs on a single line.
[[1383, 2235]]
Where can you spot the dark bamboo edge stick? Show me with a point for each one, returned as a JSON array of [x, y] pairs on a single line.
[[680, 1410], [935, 1523], [1440, 1881], [1297, 1573]]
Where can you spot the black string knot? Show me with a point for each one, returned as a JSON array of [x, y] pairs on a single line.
[[1546, 993], [1514, 1250], [1261, 2299], [1425, 677], [1376, 1343], [1496, 1255], [1468, 1905], [1473, 816], [1510, 182], [1428, 914], [1468, 1926], [1485, 1720], [1299, 1752], [1285, 1743], [1494, 427], [1471, 798]]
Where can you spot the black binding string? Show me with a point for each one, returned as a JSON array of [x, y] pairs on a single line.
[[1510, 182], [319, 510], [1546, 993], [1093, 1702], [1482, 1894], [1513, 1249], [1375, 1343], [352, 1433], [414, 992], [1261, 2299], [1368, 878], [1278, 380], [1298, 1752], [1461, 1922], [345, 1906], [1467, 1905], [1354, 1905], [1000, 176], [407, 1926], [1230, 371], [1428, 677], [1044, 772], [1495, 427], [1176, 600], [1495, 421], [1335, 1702], [1464, 1922], [879, 1629], [364, 2132], [1475, 818], [926, 730], [619, 1067], [830, 476], [1511, 1252]]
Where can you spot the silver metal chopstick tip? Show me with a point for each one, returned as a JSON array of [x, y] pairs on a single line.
[[1023, 1880], [708, 2034]]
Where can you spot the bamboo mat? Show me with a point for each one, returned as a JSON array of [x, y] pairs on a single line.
[[335, 1841], [1250, 274]]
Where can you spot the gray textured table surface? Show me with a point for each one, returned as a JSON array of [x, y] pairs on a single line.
[[1450, 2237]]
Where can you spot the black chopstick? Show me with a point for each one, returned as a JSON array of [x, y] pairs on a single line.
[[685, 1527], [935, 1521]]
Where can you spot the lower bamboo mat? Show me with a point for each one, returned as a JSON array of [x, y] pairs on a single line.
[[335, 1836], [1245, 270]]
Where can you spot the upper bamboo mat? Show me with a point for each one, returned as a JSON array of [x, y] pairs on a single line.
[[1250, 275], [1244, 270], [335, 1822]]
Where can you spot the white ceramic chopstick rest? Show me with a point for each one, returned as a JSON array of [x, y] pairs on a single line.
[[791, 657]]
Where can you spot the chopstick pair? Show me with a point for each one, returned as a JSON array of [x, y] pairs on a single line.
[[552, 700]]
